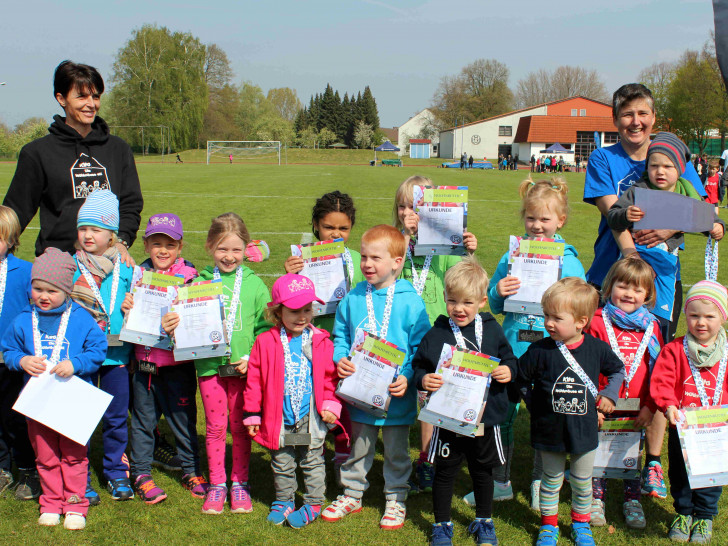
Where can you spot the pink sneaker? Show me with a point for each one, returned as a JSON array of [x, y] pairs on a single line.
[[215, 500], [240, 501]]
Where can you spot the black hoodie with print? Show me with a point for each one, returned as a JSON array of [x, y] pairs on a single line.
[[58, 171]]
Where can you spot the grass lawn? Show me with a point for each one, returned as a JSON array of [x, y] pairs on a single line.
[[276, 205]]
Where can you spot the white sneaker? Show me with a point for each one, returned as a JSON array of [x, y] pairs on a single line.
[[598, 519], [74, 521], [395, 513], [502, 491], [536, 495], [49, 519], [342, 506]]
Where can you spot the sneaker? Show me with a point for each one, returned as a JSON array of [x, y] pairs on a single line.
[[197, 485], [633, 515], [74, 521], [680, 528], [425, 475], [303, 516], [395, 513], [548, 535], [92, 496], [702, 531], [120, 489], [342, 506], [484, 532], [653, 483], [442, 534], [581, 534], [240, 501], [28, 487], [502, 491], [598, 519], [279, 511], [215, 500], [536, 495], [165, 456], [49, 519], [147, 490], [6, 480]]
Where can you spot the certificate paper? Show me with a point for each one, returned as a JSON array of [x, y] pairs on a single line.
[[323, 263], [619, 454], [443, 212], [704, 440], [377, 366], [459, 404], [201, 332], [537, 263], [668, 210]]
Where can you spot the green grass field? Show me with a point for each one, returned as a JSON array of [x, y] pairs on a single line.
[[276, 204]]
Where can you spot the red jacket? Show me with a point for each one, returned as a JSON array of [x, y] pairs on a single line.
[[265, 383], [672, 382]]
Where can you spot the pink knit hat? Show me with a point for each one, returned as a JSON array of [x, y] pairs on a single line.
[[56, 268], [293, 291], [711, 291]]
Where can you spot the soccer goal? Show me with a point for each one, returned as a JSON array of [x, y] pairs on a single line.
[[256, 151]]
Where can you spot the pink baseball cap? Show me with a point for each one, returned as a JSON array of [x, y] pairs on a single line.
[[166, 223], [293, 291]]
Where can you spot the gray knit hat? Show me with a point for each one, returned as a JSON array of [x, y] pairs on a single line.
[[670, 145], [56, 268]]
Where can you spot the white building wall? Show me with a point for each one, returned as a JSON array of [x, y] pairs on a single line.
[[412, 127]]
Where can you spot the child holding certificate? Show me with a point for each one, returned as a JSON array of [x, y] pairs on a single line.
[[100, 284], [290, 388], [161, 384], [544, 210], [466, 286], [562, 373], [633, 333], [245, 298], [31, 344], [691, 372], [392, 310]]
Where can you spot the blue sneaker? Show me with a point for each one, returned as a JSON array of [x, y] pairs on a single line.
[[484, 531], [548, 535], [442, 534], [92, 496], [653, 482], [120, 489], [279, 511], [303, 516], [425, 476], [581, 534]]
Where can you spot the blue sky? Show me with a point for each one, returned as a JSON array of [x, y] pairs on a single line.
[[401, 49]]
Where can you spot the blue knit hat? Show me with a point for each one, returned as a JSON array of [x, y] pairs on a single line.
[[101, 209]]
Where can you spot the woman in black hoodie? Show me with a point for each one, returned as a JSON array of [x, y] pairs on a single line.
[[58, 171]]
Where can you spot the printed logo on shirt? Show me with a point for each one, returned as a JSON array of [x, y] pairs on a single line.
[[569, 394], [690, 396], [627, 182], [628, 343], [87, 176], [48, 342]]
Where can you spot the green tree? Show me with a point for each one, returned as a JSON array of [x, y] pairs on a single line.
[[369, 109], [285, 100], [363, 134], [223, 99], [326, 137], [658, 77]]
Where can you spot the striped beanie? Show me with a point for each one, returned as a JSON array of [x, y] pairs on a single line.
[[670, 145], [101, 209], [711, 291], [56, 268]]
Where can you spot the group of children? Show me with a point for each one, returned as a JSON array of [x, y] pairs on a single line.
[[572, 366]]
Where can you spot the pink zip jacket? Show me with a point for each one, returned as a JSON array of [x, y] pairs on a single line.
[[265, 383]]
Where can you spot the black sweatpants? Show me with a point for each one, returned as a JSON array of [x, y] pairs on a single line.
[[14, 442]]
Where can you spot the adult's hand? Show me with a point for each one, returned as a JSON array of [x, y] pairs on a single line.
[[652, 237], [125, 256]]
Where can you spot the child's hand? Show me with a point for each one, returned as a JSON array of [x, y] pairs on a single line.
[[600, 417], [470, 242], [253, 430], [399, 387], [293, 264], [410, 224], [502, 374], [33, 365], [345, 367], [634, 214], [128, 303], [328, 417], [170, 321], [63, 369], [643, 419], [241, 365], [673, 415], [604, 404], [432, 381], [508, 286], [717, 232]]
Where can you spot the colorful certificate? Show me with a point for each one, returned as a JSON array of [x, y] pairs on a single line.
[[537, 262], [377, 365], [703, 437], [619, 454], [459, 404], [323, 263], [201, 331], [443, 212]]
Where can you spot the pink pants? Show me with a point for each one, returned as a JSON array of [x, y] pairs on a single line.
[[62, 467], [223, 396]]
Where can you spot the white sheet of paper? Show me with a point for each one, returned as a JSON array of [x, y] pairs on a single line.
[[668, 210], [706, 449], [618, 449], [200, 324], [460, 394], [370, 381], [146, 315], [440, 225], [328, 278], [70, 406], [536, 276]]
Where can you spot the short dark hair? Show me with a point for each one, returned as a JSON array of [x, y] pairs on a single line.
[[69, 75], [629, 92]]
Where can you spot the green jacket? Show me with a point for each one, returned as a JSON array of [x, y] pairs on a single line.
[[326, 322], [249, 320], [433, 294]]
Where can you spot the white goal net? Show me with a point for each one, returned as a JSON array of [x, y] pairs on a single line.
[[254, 151]]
